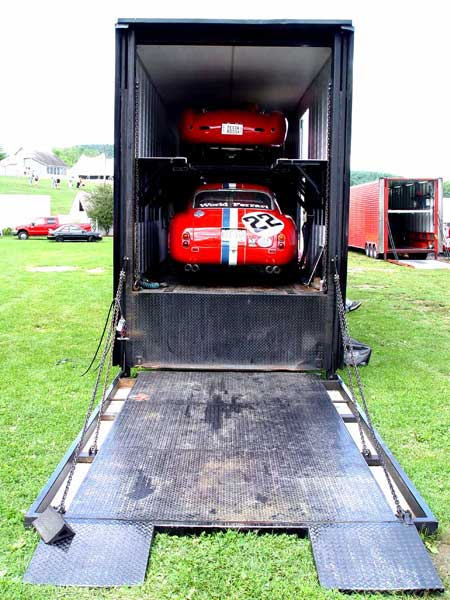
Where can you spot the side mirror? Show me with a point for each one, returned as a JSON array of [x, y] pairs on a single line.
[[33, 224]]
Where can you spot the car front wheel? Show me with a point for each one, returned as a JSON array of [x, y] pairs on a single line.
[[91, 238], [59, 239], [23, 235]]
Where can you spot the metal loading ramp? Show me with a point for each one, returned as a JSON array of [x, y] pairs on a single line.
[[194, 449]]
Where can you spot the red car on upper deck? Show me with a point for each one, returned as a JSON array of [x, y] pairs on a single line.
[[233, 224], [233, 127]]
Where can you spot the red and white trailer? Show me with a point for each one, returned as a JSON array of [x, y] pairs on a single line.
[[396, 217]]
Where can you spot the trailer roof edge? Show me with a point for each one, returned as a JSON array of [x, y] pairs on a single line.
[[310, 22]]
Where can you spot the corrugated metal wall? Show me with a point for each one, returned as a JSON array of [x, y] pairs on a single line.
[[152, 230], [364, 215], [316, 100], [157, 136]]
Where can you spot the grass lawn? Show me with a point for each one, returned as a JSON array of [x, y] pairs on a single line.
[[49, 326], [61, 198]]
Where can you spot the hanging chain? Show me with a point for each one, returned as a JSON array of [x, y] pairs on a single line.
[[348, 347], [391, 240], [108, 348], [327, 192], [137, 183], [110, 341]]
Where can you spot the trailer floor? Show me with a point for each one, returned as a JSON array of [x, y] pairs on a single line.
[[245, 450], [283, 288]]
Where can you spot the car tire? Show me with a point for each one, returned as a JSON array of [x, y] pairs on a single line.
[[91, 238], [367, 249], [374, 253], [23, 235], [418, 256], [59, 239]]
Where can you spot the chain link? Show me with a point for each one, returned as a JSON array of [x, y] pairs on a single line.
[[107, 348], [110, 345], [137, 183], [348, 346], [327, 192]]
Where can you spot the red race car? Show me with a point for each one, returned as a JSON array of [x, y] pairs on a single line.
[[233, 127], [233, 224]]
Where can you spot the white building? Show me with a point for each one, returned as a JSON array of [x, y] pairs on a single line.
[[19, 209], [93, 167], [26, 162], [78, 210]]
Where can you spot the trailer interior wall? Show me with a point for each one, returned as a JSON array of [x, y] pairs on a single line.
[[412, 215], [165, 68]]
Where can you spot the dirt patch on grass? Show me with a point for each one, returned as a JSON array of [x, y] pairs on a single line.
[[368, 287], [97, 271], [53, 269], [442, 558], [430, 306]]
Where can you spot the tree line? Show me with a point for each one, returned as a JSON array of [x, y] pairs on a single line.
[[71, 154]]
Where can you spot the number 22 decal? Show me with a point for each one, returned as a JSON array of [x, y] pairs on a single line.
[[262, 224]]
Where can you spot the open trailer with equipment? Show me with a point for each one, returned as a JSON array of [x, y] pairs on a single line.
[[236, 418], [397, 217]]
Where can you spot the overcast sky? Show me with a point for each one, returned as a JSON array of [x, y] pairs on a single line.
[[57, 72]]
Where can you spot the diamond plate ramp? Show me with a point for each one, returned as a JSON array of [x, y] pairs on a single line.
[[233, 449], [101, 554], [229, 448], [372, 557]]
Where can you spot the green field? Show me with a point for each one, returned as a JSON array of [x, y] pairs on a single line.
[[49, 326], [61, 198]]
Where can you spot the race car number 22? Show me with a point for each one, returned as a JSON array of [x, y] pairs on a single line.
[[262, 224]]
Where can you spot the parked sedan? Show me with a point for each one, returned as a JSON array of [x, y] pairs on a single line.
[[73, 233]]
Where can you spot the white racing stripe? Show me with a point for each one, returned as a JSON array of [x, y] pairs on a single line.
[[233, 252]]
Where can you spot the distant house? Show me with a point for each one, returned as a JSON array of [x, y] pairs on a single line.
[[26, 162], [93, 167]]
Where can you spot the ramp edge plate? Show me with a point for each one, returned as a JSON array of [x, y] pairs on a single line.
[[103, 553], [372, 557]]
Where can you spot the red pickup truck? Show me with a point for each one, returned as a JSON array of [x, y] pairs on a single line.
[[41, 227]]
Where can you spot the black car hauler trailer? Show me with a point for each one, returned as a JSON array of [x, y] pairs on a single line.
[[233, 426]]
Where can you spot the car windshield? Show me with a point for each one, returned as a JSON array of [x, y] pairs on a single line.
[[233, 199]]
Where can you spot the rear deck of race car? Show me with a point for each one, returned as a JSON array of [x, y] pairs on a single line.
[[222, 234]]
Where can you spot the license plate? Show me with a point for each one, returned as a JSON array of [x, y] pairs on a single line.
[[232, 129], [234, 235]]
